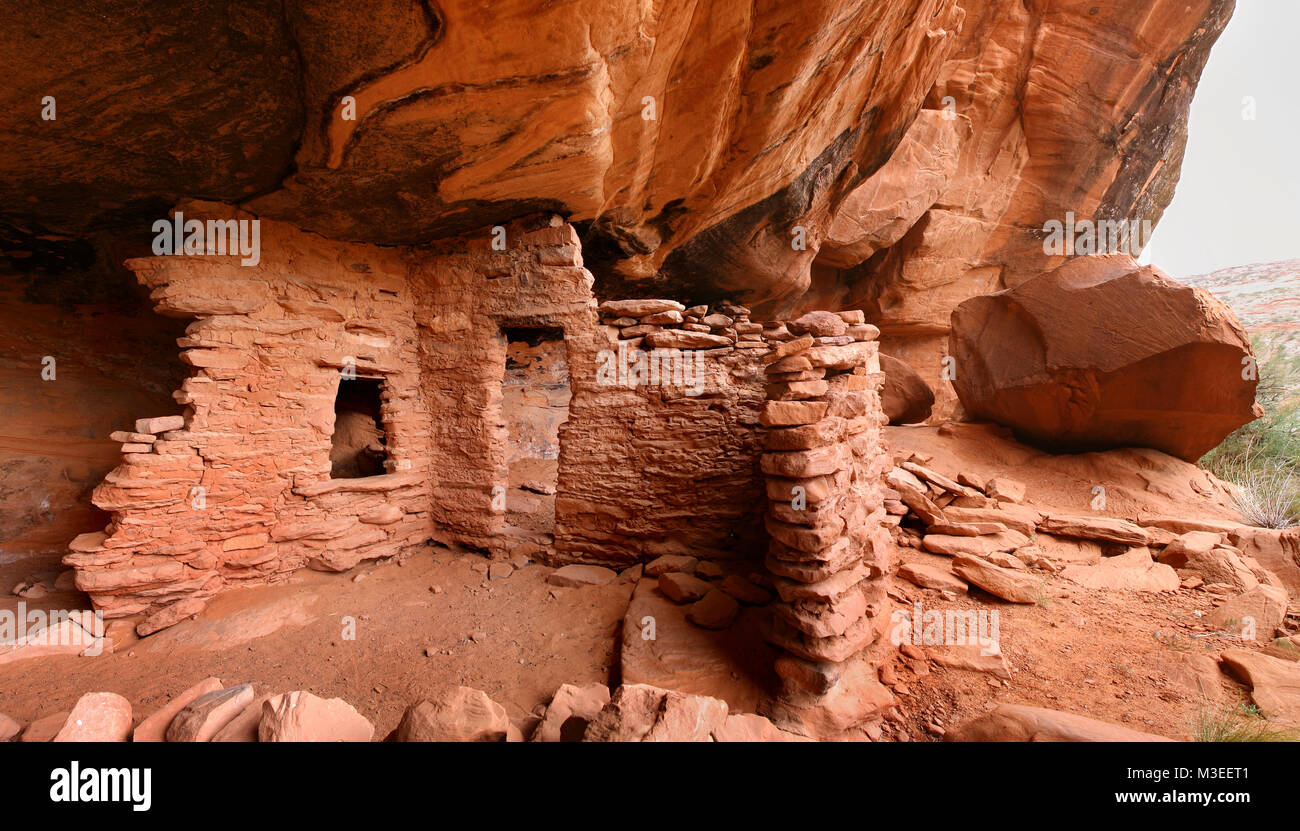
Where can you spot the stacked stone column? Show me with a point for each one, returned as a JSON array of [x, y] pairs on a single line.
[[829, 549]]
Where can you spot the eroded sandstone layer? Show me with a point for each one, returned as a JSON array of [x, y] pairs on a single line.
[[1074, 106], [914, 148]]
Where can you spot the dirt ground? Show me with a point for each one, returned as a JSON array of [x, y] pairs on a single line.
[[1124, 657], [1117, 657], [436, 620], [518, 639]]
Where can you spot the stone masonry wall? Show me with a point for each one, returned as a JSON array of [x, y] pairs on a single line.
[[664, 464], [237, 489], [463, 297], [830, 550]]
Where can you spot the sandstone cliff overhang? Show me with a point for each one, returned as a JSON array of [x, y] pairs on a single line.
[[688, 141]]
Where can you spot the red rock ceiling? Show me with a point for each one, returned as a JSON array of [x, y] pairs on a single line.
[[768, 115]]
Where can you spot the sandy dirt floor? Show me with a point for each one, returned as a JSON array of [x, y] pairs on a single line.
[[516, 638], [1142, 660]]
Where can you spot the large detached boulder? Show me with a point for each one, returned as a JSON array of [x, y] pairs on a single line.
[[571, 709], [300, 716], [1103, 353], [459, 714], [97, 717]]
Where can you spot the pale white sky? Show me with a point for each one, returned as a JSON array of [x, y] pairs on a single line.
[[1238, 199]]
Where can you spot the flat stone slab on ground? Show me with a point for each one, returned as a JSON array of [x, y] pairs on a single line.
[[576, 576], [734, 664]]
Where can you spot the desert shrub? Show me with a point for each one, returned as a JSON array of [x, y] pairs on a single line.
[[1242, 723], [1261, 460], [1268, 496]]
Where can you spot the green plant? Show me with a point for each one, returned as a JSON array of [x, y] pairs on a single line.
[[1260, 461], [1289, 646], [1242, 723], [1267, 497]]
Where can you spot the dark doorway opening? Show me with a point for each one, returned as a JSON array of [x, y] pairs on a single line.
[[535, 404], [358, 446]]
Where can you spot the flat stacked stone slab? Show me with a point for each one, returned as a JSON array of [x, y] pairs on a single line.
[[829, 547], [668, 324]]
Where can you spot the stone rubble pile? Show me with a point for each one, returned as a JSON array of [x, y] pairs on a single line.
[[206, 712], [668, 324], [983, 525], [1009, 549], [1012, 551], [209, 712], [712, 596]]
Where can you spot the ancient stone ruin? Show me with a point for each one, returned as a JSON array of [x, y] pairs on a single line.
[[349, 403], [460, 371]]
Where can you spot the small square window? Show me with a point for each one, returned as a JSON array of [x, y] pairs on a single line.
[[359, 444]]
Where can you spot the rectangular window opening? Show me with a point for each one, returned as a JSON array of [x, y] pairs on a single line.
[[359, 445]]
